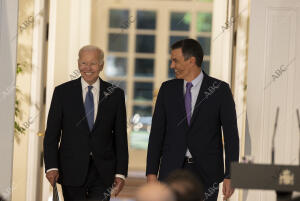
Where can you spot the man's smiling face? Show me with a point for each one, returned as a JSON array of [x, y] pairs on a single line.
[[181, 66], [90, 65]]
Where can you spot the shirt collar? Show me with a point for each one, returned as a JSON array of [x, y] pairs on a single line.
[[197, 80], [96, 85]]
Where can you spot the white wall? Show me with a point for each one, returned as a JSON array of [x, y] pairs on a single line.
[[273, 45], [8, 41], [221, 41]]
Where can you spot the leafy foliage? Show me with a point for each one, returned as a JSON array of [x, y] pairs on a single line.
[[19, 129]]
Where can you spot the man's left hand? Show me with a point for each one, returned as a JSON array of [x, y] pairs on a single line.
[[227, 189], [118, 186]]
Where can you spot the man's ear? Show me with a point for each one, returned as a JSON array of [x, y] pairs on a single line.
[[193, 60], [101, 66]]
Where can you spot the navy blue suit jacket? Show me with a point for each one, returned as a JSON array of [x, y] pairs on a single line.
[[170, 134], [68, 141]]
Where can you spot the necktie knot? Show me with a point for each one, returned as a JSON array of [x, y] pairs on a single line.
[[90, 88], [189, 85]]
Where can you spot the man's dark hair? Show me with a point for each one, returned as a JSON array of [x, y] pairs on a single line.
[[185, 185], [1, 198], [190, 48]]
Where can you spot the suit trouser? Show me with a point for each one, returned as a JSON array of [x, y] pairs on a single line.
[[210, 192], [92, 190]]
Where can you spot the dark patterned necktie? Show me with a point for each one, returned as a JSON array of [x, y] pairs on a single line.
[[188, 101], [89, 107]]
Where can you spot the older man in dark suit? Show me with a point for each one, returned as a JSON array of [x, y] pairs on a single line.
[[186, 127], [85, 145]]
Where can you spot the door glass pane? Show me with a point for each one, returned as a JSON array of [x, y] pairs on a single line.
[[180, 21], [141, 125], [143, 91], [115, 66], [145, 43], [144, 67], [171, 72], [205, 44], [118, 18], [146, 20], [142, 110], [204, 22], [118, 42], [120, 84], [205, 66], [174, 39]]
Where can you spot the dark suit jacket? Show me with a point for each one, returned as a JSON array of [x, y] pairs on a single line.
[[170, 134], [68, 141]]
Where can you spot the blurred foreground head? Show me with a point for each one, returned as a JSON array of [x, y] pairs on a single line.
[[1, 198], [186, 186], [155, 191]]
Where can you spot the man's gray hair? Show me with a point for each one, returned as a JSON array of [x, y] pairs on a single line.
[[93, 48]]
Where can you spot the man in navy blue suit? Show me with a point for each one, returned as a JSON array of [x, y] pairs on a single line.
[[85, 144], [188, 119]]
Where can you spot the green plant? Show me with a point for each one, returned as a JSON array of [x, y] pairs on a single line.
[[19, 129]]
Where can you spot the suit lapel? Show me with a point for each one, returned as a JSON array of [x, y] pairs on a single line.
[[101, 101], [79, 105], [181, 100], [201, 98]]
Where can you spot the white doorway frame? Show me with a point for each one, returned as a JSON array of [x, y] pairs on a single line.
[[220, 52], [36, 101]]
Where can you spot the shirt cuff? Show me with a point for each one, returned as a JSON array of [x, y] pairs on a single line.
[[51, 169], [120, 176], [117, 175]]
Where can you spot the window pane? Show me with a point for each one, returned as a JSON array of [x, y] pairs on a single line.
[[118, 83], [141, 125], [116, 66], [180, 21], [143, 91], [174, 39], [142, 111], [118, 42], [144, 67], [119, 18], [139, 139], [146, 20], [145, 43], [205, 44], [205, 66], [204, 22], [171, 72]]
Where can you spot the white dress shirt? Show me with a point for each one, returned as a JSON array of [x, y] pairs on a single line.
[[96, 91], [197, 82]]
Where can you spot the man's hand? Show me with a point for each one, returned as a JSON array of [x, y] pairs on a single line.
[[118, 186], [151, 178], [52, 176], [227, 189]]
